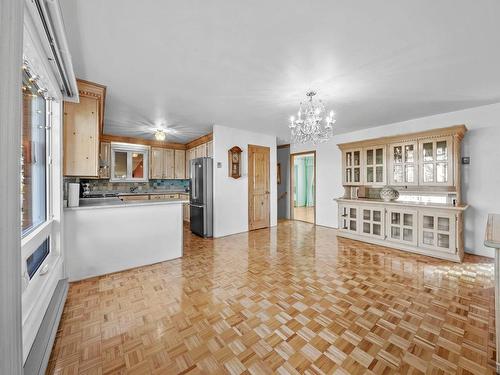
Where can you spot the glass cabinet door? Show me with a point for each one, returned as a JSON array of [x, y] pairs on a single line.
[[437, 231], [352, 167], [436, 157], [372, 221], [402, 226], [349, 218], [374, 164], [403, 164]]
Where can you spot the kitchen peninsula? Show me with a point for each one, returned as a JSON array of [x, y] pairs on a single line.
[[108, 235]]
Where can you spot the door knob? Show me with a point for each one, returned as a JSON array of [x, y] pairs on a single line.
[[267, 192]]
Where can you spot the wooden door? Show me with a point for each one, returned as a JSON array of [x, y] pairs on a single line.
[[258, 187]]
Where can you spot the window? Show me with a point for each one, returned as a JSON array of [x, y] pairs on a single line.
[[35, 142], [129, 162], [36, 259]]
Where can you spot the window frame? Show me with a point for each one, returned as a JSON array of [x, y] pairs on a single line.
[[129, 149]]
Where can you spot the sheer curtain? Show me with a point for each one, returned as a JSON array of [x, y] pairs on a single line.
[[304, 181]]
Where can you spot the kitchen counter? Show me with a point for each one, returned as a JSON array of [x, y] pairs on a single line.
[[93, 203], [100, 193], [443, 206]]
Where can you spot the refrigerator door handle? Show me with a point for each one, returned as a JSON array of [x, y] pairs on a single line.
[[197, 205], [193, 181]]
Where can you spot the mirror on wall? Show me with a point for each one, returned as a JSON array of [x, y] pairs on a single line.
[[129, 162]]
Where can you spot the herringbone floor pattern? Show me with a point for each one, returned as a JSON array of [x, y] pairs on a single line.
[[290, 300]]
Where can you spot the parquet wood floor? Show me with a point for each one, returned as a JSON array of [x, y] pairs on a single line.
[[289, 300]]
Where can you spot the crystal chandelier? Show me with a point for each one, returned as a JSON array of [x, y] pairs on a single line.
[[160, 134], [311, 125]]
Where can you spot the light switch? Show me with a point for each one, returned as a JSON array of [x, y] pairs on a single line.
[[466, 160], [219, 164]]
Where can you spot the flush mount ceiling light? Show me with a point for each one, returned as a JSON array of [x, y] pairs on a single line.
[[311, 124], [160, 134]]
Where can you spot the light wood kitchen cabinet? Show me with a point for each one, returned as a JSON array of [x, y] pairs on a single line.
[[135, 197], [210, 149], [352, 168], [82, 125], [169, 164], [374, 162], [157, 158], [180, 164], [105, 160], [436, 160], [403, 168]]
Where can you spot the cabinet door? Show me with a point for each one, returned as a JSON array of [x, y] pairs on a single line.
[[374, 166], [402, 226], [348, 218], [352, 167], [169, 164], [180, 164], [372, 221], [436, 161], [81, 138], [210, 149], [403, 167], [157, 157], [437, 230], [105, 160]]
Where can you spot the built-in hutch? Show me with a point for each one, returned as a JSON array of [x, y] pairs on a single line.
[[424, 168]]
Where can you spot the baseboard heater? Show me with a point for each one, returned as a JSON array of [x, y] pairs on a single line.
[[38, 358]]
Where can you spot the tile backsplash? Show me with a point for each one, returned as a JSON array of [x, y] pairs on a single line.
[[120, 187]]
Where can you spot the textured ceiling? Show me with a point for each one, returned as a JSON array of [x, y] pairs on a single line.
[[247, 64]]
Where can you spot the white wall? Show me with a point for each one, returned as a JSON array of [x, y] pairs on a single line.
[[480, 179], [231, 195]]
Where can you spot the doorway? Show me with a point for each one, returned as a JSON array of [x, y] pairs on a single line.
[[258, 187], [303, 186]]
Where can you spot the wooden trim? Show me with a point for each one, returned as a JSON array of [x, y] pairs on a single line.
[[292, 157], [11, 49], [250, 187], [140, 141], [284, 146], [457, 131], [199, 141]]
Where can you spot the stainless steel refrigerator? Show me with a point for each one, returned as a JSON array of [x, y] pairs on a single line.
[[201, 197]]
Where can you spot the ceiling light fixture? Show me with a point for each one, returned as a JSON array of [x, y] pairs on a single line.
[[160, 134], [311, 126]]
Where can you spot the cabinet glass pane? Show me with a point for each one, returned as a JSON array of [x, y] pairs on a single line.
[[348, 175], [442, 172], [369, 174], [366, 214], [441, 150], [379, 177], [348, 158], [352, 225], [395, 218], [344, 224], [407, 234], [395, 232], [443, 240], [428, 222], [409, 173], [369, 157], [427, 152], [357, 175], [428, 172], [443, 224], [428, 238], [377, 216], [120, 170], [379, 156], [137, 165], [356, 156], [376, 229], [344, 211], [408, 220], [366, 228], [398, 173], [398, 154], [409, 154], [352, 213]]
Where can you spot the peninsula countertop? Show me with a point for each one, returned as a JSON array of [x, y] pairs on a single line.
[[96, 203]]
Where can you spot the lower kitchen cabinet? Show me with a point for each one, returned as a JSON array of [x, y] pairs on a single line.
[[408, 227]]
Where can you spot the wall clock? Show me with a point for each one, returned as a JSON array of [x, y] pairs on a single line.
[[234, 157]]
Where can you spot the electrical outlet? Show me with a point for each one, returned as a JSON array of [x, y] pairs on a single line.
[[219, 164], [466, 160]]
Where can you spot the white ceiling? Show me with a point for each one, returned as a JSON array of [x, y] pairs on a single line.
[[189, 64]]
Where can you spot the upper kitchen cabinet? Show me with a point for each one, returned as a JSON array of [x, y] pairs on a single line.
[[352, 168], [157, 157], [83, 123], [403, 167], [105, 160], [374, 166], [436, 161], [180, 164]]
